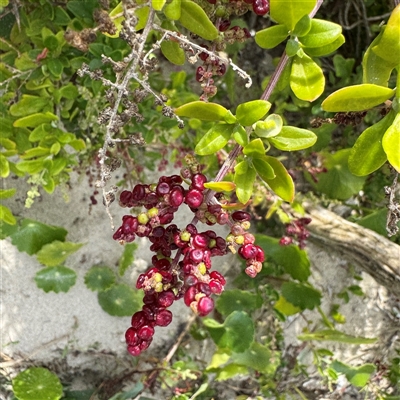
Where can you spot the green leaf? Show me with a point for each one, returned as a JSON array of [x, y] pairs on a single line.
[[173, 10], [270, 37], [28, 105], [241, 167], [143, 15], [32, 235], [35, 152], [238, 300], [254, 148], [240, 135], [357, 376], [270, 127], [294, 261], [391, 143], [306, 78], [244, 184], [31, 166], [219, 358], [40, 132], [263, 169], [325, 50], [250, 112], [367, 154], [56, 252], [99, 278], [34, 120], [321, 33], [357, 98], [69, 92], [221, 186], [235, 334], [335, 336], [202, 110], [37, 383], [289, 12], [127, 258], [285, 307], [214, 139], [158, 4], [229, 371], [194, 19], [282, 184], [292, 47], [4, 167], [173, 52], [291, 138], [302, 27], [375, 221], [301, 295], [257, 357], [55, 279], [119, 300], [7, 193], [338, 182], [6, 215]]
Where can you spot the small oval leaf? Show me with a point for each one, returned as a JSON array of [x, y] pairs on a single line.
[[250, 112], [173, 10], [34, 120], [240, 135], [272, 36], [282, 184], [289, 12], [264, 170], [244, 184], [325, 50], [223, 186], [291, 138], [99, 278], [391, 143], [254, 148], [357, 98], [202, 110], [173, 52], [321, 33], [215, 139]]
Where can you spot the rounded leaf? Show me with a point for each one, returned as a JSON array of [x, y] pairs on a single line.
[[56, 279], [202, 110], [56, 252], [119, 300], [254, 148], [244, 184], [173, 10], [240, 135], [28, 105], [270, 127], [173, 52], [99, 278], [264, 170], [302, 27], [37, 383], [357, 98], [321, 33], [289, 12], [214, 139], [306, 78], [291, 138], [250, 112], [391, 143], [270, 37], [325, 50]]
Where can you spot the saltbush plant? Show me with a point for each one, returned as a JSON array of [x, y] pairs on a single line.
[[86, 86]]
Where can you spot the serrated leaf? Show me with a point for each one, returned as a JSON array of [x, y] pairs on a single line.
[[289, 12], [357, 98], [32, 235], [250, 112], [300, 295], [55, 279], [196, 20], [238, 300], [264, 170], [254, 148], [282, 184], [391, 143], [202, 110], [34, 120], [321, 33], [240, 135], [257, 357], [367, 155], [306, 78], [294, 261], [327, 49], [99, 278], [222, 186], [6, 215], [127, 258], [335, 336], [244, 184], [214, 139], [119, 300], [270, 37], [291, 138], [37, 383], [56, 252], [357, 376]]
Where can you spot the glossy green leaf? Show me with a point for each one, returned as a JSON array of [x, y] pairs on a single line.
[[55, 279], [321, 33], [236, 333], [171, 49], [301, 295], [32, 235], [250, 112], [173, 10], [4, 167], [158, 4], [306, 78], [37, 383], [264, 170], [244, 184], [222, 186], [214, 139], [391, 143], [367, 154], [99, 278], [196, 21], [294, 261], [127, 257], [238, 300], [289, 12], [240, 135], [302, 27], [34, 120], [357, 98], [357, 376], [6, 215], [335, 336], [270, 37], [241, 167], [325, 50], [143, 15], [282, 184], [28, 105], [119, 300], [270, 127], [254, 148], [291, 138], [202, 110], [56, 252]]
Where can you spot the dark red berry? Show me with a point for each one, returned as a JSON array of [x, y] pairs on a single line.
[[138, 320], [194, 198], [260, 7], [176, 196], [165, 299], [146, 332], [131, 337], [205, 305], [240, 216], [125, 198], [138, 192], [224, 25], [164, 318], [199, 73], [162, 188], [248, 251], [198, 181]]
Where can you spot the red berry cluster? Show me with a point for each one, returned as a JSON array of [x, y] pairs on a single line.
[[186, 274], [296, 232]]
